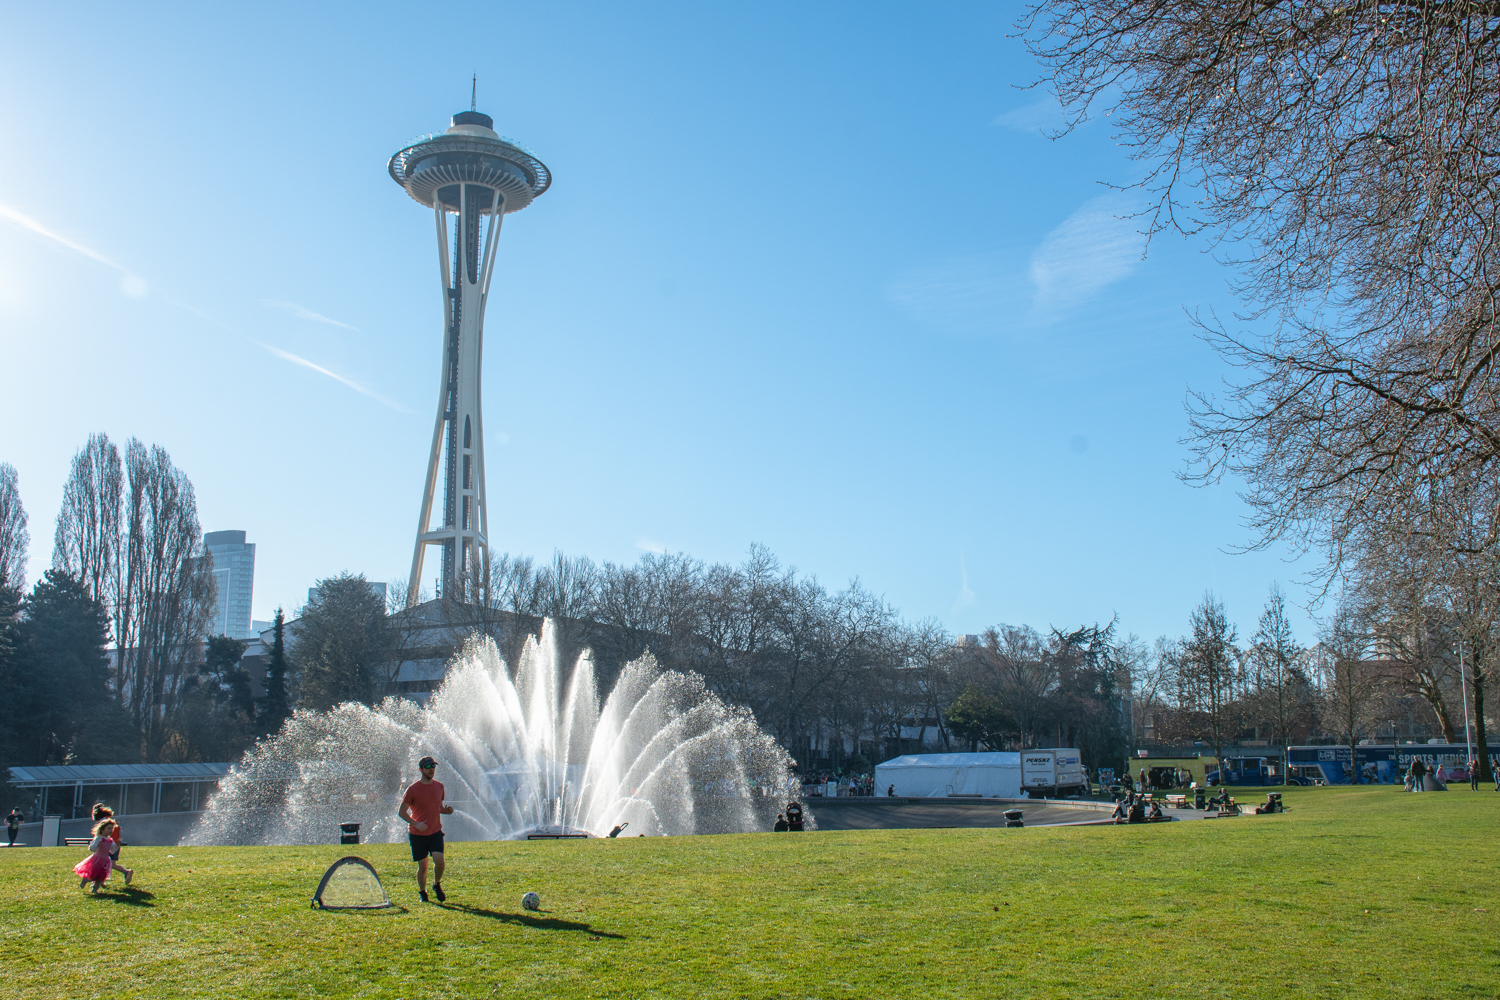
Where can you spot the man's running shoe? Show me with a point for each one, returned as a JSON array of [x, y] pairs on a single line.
[[437, 890], [423, 894]]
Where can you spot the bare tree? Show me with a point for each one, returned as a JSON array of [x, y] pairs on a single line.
[[1346, 153], [1207, 669], [1023, 676], [1397, 583], [88, 542], [1277, 652], [13, 535], [167, 598], [1353, 681]]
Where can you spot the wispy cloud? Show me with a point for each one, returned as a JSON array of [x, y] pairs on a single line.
[[1044, 115], [650, 545], [965, 593], [296, 360], [976, 294], [130, 283], [302, 312], [1095, 246], [198, 312]]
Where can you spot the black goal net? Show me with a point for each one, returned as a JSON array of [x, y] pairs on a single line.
[[350, 884]]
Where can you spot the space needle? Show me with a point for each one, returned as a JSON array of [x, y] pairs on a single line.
[[478, 177]]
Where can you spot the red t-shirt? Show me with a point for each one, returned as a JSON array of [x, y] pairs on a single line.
[[424, 804]]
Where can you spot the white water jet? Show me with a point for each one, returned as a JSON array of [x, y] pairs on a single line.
[[663, 754]]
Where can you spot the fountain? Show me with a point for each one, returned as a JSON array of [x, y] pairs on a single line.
[[518, 758]]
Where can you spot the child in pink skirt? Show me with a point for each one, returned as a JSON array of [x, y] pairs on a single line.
[[95, 867], [102, 811]]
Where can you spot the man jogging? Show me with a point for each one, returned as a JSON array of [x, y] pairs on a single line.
[[422, 810]]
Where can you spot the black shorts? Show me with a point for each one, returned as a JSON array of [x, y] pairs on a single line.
[[423, 844]]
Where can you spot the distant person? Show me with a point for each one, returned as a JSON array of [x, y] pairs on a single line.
[[1138, 810], [13, 825], [1473, 775], [1155, 815], [423, 810], [782, 826], [1419, 774], [890, 791], [794, 817], [1121, 813], [1438, 774]]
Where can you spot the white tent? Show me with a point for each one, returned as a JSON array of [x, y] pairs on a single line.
[[939, 775]]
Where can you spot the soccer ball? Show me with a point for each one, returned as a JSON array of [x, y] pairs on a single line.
[[531, 901]]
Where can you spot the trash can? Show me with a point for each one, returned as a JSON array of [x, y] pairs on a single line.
[[348, 833], [1013, 818], [1200, 797]]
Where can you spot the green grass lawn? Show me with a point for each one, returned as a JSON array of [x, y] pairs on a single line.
[[1353, 893]]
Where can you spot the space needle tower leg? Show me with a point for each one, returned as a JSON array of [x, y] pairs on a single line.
[[477, 177]]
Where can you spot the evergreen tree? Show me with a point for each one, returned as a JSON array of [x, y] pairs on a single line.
[[231, 682], [275, 705], [10, 606], [343, 643], [59, 697], [214, 715], [979, 718]]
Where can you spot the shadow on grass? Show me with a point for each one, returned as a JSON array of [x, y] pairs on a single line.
[[526, 920], [394, 910], [128, 896]]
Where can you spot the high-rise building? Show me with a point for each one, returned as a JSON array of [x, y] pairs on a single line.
[[234, 574], [479, 177]]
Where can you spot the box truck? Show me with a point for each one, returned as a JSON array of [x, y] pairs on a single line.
[[1052, 773]]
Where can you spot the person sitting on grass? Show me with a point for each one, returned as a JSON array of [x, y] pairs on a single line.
[[781, 824], [1155, 815], [1122, 811]]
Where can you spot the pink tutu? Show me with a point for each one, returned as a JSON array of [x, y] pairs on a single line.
[[95, 868]]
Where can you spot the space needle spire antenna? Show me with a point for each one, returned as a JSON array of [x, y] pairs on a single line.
[[477, 177]]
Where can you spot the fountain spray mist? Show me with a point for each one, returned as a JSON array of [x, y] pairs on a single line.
[[516, 756]]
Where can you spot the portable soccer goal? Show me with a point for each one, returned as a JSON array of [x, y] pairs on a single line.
[[350, 884]]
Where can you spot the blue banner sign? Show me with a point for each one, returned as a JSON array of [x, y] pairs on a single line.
[[1381, 764]]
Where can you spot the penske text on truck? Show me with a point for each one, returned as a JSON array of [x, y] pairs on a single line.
[[1052, 773]]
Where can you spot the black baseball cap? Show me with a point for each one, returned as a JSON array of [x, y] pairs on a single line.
[[427, 762]]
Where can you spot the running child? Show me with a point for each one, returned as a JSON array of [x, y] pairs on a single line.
[[95, 867], [102, 811]]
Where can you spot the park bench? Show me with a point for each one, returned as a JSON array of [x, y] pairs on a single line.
[[1177, 802], [77, 841]]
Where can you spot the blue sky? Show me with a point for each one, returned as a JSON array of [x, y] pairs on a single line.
[[808, 275]]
